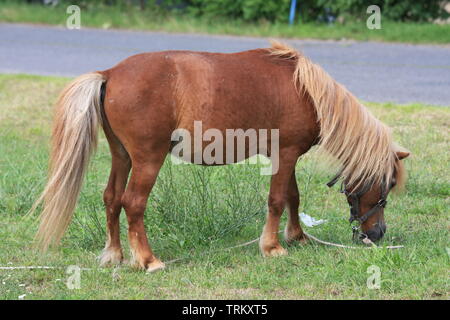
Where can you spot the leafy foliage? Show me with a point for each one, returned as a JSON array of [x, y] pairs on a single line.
[[278, 10], [312, 10]]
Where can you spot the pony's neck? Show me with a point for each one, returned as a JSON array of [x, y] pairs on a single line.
[[360, 143]]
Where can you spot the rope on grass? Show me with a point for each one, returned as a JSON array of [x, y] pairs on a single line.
[[36, 267], [28, 267], [366, 241]]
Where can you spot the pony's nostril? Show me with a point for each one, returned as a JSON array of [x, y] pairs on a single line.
[[373, 235], [376, 233]]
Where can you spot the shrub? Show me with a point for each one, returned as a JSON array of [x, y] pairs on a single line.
[[311, 10], [398, 10], [278, 10]]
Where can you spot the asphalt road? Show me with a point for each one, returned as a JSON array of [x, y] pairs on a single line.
[[377, 72]]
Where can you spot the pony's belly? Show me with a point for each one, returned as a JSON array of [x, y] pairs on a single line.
[[212, 153]]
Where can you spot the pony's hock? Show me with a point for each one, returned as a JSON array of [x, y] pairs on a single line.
[[160, 92]]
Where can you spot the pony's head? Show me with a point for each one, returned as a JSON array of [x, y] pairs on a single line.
[[367, 201]]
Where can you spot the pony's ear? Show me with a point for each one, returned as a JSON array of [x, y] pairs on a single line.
[[402, 154]]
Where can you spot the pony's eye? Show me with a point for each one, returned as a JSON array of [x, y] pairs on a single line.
[[393, 183]]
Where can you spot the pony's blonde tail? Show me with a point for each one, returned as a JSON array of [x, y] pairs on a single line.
[[74, 139]]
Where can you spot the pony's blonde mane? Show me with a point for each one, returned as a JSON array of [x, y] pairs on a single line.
[[360, 143]]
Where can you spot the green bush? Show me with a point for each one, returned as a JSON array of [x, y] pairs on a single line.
[[248, 10], [312, 10], [278, 10], [397, 10]]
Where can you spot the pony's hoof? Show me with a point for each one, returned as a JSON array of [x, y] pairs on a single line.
[[110, 256], [294, 237], [275, 252], [155, 266]]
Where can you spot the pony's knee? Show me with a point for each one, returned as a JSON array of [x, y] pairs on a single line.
[[293, 194], [276, 203]]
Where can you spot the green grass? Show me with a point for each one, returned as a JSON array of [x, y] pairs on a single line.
[[158, 20], [195, 212]]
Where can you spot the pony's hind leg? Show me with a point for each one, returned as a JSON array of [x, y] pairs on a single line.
[[120, 168], [269, 243], [293, 231], [134, 200]]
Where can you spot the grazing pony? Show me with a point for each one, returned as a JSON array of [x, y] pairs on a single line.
[[141, 101]]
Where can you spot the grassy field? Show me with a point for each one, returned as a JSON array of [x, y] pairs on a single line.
[[157, 20], [195, 212]]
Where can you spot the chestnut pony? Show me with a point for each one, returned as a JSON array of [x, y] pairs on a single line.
[[143, 99]]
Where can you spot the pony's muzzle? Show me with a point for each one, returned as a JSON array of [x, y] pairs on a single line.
[[377, 232]]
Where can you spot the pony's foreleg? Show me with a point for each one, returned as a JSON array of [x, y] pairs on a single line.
[[269, 243], [134, 201], [112, 197], [293, 231]]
